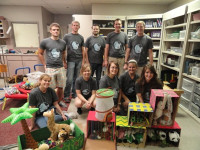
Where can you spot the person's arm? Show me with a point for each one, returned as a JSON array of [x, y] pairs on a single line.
[[41, 57], [106, 55], [139, 95], [119, 100], [125, 97], [86, 55], [59, 110], [80, 96], [151, 56], [126, 58], [64, 59], [32, 119], [83, 53], [93, 96]]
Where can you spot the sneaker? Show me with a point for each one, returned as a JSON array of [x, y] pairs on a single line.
[[79, 111], [62, 104], [67, 99]]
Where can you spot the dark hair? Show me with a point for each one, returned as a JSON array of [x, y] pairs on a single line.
[[96, 25], [54, 24], [109, 65], [118, 19], [154, 82], [85, 66]]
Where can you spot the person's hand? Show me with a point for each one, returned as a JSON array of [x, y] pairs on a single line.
[[125, 66], [64, 117], [30, 128], [125, 104], [88, 105], [65, 65], [105, 63], [116, 109]]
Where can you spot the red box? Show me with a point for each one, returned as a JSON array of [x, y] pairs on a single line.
[[168, 130], [96, 129], [157, 96]]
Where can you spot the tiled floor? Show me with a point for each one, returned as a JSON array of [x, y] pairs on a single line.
[[190, 133]]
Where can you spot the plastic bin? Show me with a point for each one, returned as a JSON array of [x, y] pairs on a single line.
[[195, 109], [196, 99], [197, 88], [188, 84], [186, 103], [173, 36], [187, 94], [195, 35], [182, 34], [176, 49]]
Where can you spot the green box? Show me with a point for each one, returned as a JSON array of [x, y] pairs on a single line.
[[43, 134]]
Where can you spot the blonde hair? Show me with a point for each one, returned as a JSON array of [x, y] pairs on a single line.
[[76, 22], [84, 67], [142, 22], [40, 79]]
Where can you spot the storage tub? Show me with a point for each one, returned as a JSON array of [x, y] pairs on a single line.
[[195, 109], [197, 88], [182, 34], [186, 103], [196, 99], [195, 35], [188, 84], [176, 49], [196, 16], [173, 36], [187, 94]]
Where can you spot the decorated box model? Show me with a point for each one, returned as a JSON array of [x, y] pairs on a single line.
[[130, 136], [140, 114], [164, 136], [100, 130], [75, 143], [165, 105], [104, 104]]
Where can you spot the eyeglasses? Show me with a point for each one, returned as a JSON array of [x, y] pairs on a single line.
[[114, 67]]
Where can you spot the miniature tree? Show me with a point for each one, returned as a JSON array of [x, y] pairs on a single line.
[[20, 114]]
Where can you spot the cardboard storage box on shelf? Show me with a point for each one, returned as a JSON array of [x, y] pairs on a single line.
[[129, 136], [167, 136], [43, 134], [166, 114], [196, 16], [140, 114], [33, 77]]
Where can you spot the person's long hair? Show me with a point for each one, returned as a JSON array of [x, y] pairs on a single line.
[[40, 79], [154, 82]]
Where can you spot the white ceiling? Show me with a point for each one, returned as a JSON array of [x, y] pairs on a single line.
[[77, 6]]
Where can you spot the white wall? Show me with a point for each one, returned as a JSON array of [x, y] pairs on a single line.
[[178, 3], [85, 25], [127, 9]]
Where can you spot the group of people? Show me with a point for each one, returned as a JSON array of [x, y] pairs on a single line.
[[116, 53]]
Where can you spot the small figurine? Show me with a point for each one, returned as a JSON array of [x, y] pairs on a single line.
[[62, 135]]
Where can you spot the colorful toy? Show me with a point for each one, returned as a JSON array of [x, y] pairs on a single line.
[[62, 135], [54, 128], [174, 136], [20, 114], [162, 137]]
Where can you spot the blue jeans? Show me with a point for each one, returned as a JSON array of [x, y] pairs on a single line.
[[41, 121], [98, 69], [73, 71]]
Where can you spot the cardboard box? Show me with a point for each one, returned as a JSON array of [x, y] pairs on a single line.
[[100, 130], [125, 133], [140, 114], [158, 95], [43, 134], [155, 140]]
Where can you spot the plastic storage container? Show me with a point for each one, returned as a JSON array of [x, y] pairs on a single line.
[[196, 99], [195, 109], [173, 36], [188, 84], [186, 103], [182, 34], [187, 94], [176, 49], [195, 35], [197, 88]]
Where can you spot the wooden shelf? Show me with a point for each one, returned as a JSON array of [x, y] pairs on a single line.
[[176, 26], [155, 38], [191, 77], [156, 48], [145, 28], [172, 68], [196, 40], [172, 53], [195, 22], [192, 57], [173, 40]]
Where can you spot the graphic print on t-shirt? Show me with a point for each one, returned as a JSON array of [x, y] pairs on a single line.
[[97, 47], [117, 45], [55, 54], [130, 90], [75, 45], [86, 92], [138, 48]]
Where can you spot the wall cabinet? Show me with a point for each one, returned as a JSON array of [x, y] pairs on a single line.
[[3, 28]]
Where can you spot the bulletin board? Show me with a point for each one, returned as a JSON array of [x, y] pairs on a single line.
[[26, 34]]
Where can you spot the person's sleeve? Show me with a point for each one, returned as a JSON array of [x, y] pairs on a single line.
[[32, 99], [121, 79], [43, 45], [77, 84], [82, 41], [102, 83], [54, 95], [126, 39], [137, 88], [108, 39], [65, 38], [129, 44], [104, 42], [94, 84], [150, 44], [87, 43]]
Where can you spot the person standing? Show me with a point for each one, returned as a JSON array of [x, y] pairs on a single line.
[[116, 45], [94, 50], [139, 48], [55, 59], [75, 58]]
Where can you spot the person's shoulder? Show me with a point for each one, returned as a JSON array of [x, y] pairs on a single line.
[[89, 38], [62, 41], [80, 35], [123, 75], [35, 90], [46, 40], [111, 33], [148, 37]]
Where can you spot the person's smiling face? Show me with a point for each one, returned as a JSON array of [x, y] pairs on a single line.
[[148, 75]]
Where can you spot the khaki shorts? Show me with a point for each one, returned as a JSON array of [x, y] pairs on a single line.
[[58, 77]]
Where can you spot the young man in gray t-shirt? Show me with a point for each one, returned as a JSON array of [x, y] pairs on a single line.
[[94, 49], [116, 45], [54, 60], [139, 48], [75, 58]]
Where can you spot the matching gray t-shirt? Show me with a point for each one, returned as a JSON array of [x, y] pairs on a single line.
[[41, 100], [128, 85], [54, 52], [139, 48], [114, 84], [86, 87], [96, 46], [74, 43], [117, 42]]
